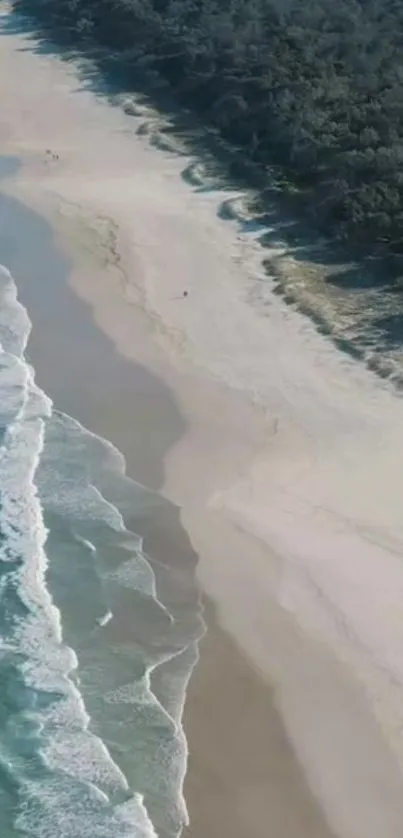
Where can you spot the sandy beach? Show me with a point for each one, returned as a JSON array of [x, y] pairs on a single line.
[[278, 461]]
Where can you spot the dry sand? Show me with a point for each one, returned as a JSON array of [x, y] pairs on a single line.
[[289, 474]]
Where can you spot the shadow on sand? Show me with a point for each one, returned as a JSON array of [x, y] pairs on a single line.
[[352, 300]]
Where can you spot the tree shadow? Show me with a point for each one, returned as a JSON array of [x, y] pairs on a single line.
[[259, 200]]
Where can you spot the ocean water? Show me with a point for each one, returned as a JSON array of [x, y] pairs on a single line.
[[88, 745]]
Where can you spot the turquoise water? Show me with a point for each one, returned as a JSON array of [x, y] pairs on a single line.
[[94, 662]]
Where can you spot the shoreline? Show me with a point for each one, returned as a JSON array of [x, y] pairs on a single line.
[[163, 537], [250, 472]]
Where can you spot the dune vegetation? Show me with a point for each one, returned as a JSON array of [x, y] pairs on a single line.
[[315, 87]]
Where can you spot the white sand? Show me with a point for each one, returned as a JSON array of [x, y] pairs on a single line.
[[291, 475]]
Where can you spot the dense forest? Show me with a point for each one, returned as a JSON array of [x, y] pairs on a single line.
[[315, 86]]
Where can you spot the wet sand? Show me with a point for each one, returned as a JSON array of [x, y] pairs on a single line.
[[243, 777], [270, 454], [242, 770]]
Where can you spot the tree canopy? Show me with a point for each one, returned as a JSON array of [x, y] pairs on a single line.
[[315, 86]]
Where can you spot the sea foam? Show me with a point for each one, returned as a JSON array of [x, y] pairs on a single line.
[[68, 781]]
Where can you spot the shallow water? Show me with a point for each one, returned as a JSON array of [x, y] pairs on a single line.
[[86, 746]]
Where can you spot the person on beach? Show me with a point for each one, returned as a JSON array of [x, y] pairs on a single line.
[[52, 154]]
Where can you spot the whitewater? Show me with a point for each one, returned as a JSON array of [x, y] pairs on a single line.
[[288, 472], [58, 775]]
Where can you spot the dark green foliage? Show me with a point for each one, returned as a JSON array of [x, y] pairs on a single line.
[[313, 85]]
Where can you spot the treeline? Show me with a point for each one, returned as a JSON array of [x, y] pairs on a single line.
[[315, 86]]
